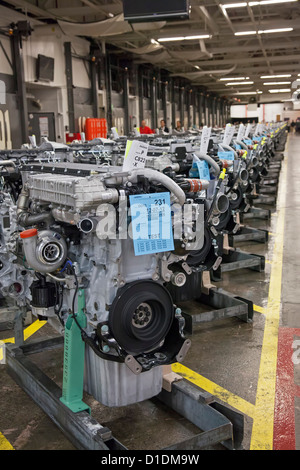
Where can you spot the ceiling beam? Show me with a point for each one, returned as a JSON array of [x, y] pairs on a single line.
[[247, 60], [28, 7]]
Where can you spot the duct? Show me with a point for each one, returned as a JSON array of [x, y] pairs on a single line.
[[110, 27], [195, 75], [144, 50]]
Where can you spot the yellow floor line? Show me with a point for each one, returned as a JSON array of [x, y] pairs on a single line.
[[230, 398], [4, 444], [259, 309], [29, 331], [263, 419]]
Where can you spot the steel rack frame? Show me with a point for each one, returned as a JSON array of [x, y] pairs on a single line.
[[215, 304], [234, 259], [217, 423]]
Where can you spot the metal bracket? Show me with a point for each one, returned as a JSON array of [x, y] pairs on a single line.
[[249, 234]]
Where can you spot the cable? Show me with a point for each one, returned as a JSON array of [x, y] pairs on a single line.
[[87, 339]]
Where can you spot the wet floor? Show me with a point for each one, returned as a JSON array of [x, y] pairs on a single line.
[[227, 352]]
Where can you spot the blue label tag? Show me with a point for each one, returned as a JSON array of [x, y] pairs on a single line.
[[226, 155], [237, 147], [203, 170], [248, 141], [151, 223]]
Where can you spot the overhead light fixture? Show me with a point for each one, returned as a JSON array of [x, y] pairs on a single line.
[[276, 83], [197, 67], [253, 4], [153, 41], [239, 83], [282, 90], [233, 78], [235, 5], [244, 33], [249, 93], [263, 31], [184, 38], [276, 76]]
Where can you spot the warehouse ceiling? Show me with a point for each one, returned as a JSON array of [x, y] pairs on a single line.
[[243, 41]]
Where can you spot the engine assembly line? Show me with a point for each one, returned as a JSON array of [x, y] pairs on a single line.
[[119, 302], [149, 219]]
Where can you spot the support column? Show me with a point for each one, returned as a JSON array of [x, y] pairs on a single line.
[[69, 80], [18, 65], [108, 92], [153, 100], [181, 110], [165, 100], [173, 105], [140, 96], [125, 101], [94, 86]]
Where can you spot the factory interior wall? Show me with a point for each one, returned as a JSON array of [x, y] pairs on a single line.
[[266, 112]]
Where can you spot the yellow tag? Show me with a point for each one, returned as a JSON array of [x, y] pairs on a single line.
[[222, 175]]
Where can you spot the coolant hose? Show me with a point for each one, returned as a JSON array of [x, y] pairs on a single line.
[[244, 146], [154, 175], [230, 149], [210, 161]]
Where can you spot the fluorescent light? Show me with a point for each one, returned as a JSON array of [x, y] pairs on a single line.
[[277, 76], [263, 31], [239, 83], [270, 2], [276, 83], [199, 36], [233, 78], [249, 93], [282, 90], [278, 30], [153, 41], [184, 38], [252, 4], [244, 33], [179, 38], [235, 5]]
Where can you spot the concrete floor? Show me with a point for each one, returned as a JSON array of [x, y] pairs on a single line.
[[226, 352]]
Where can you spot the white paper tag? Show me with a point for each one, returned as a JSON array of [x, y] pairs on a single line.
[[135, 155], [228, 134], [241, 132], [114, 132], [206, 131], [248, 129]]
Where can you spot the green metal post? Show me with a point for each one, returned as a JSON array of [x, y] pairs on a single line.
[[73, 373]]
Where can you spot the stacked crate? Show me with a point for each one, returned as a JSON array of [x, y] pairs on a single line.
[[95, 128]]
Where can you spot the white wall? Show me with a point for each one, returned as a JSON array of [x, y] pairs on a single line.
[[266, 112]]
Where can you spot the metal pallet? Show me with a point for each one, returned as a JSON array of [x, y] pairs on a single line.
[[256, 213], [245, 233], [215, 304], [217, 423]]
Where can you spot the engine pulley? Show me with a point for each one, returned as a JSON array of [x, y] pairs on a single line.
[[141, 316]]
